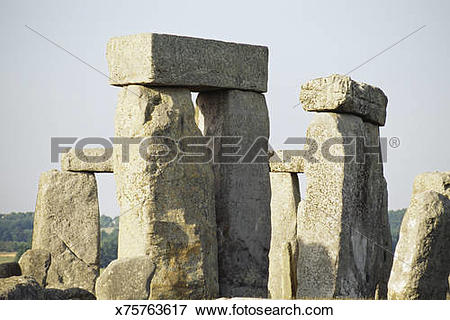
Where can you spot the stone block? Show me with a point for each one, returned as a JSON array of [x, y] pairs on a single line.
[[88, 160], [338, 93], [153, 59]]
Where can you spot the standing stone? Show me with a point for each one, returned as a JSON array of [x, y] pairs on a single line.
[[285, 199], [341, 225], [242, 189], [422, 263], [167, 208], [154, 59], [35, 263], [376, 202], [435, 181], [126, 279], [66, 223]]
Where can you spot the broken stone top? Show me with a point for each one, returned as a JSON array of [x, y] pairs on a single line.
[[435, 181], [339, 93], [153, 59]]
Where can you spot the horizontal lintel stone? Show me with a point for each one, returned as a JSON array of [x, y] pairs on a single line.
[[341, 94], [88, 160], [286, 161], [153, 59]]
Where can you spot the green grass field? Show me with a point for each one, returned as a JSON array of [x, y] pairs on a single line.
[[7, 257]]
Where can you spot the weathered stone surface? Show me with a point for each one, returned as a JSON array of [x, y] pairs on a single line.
[[338, 93], [376, 209], [242, 190], [35, 263], [66, 223], [198, 64], [126, 279], [342, 222], [422, 263], [19, 288], [88, 160], [9, 269], [282, 255], [435, 181], [167, 208], [288, 271], [281, 161], [66, 294]]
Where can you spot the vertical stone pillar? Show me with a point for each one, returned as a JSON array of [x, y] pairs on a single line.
[[343, 231], [242, 190], [177, 224], [167, 207], [422, 263], [282, 255], [66, 224], [376, 196]]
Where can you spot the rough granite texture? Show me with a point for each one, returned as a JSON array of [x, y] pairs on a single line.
[[280, 162], [167, 208], [153, 59], [126, 279], [422, 263], [338, 93], [66, 223], [285, 199], [342, 222], [84, 161], [436, 181], [35, 263], [242, 191], [10, 269]]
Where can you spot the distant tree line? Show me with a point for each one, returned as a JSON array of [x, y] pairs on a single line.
[[395, 221], [16, 230]]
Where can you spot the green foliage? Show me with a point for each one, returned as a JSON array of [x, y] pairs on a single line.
[[16, 230], [16, 226], [395, 221], [21, 248], [108, 247], [109, 222]]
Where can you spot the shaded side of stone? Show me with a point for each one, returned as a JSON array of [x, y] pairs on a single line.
[[10, 269], [19, 288], [242, 189]]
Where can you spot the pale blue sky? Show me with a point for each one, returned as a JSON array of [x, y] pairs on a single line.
[[45, 92]]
